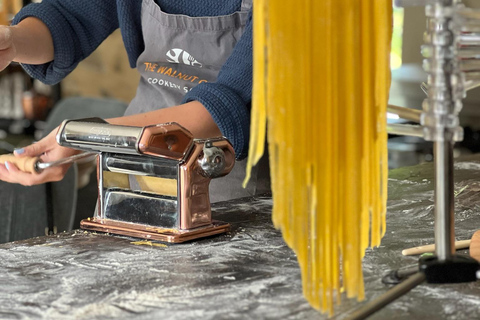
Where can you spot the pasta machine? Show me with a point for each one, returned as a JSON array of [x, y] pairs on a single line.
[[452, 62], [153, 181]]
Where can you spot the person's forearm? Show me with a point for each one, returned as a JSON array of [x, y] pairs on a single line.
[[192, 115], [33, 42]]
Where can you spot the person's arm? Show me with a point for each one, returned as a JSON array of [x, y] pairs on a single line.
[[228, 99], [192, 115], [76, 29], [32, 41], [28, 42]]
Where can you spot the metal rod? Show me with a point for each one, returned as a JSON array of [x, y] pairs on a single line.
[[83, 155], [405, 130], [468, 53], [405, 113], [396, 292], [441, 99], [468, 85], [408, 271], [101, 192], [468, 39], [468, 13], [412, 3], [424, 88], [444, 198]]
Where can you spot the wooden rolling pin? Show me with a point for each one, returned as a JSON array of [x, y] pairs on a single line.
[[35, 165], [475, 246], [462, 244]]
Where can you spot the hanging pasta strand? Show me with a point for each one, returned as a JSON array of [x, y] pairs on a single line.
[[321, 81]]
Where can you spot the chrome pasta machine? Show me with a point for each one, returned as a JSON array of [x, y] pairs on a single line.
[[153, 181]]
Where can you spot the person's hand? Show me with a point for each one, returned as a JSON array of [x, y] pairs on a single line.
[[7, 48], [48, 150]]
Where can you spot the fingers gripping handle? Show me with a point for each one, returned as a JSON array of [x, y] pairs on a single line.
[[25, 164]]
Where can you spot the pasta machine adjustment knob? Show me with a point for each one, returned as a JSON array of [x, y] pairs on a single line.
[[211, 160]]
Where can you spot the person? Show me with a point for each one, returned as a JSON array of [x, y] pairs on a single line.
[[194, 58]]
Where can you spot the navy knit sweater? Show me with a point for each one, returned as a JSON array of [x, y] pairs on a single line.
[[79, 26]]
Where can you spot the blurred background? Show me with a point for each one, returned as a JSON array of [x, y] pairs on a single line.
[[26, 103], [407, 76]]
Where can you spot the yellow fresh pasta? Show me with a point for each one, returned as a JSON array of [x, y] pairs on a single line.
[[321, 81]]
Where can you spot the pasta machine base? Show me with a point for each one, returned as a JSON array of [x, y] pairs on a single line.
[[151, 233]]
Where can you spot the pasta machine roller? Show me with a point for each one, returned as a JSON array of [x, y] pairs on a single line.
[[153, 181]]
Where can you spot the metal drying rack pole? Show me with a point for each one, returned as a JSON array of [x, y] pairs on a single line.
[[439, 123]]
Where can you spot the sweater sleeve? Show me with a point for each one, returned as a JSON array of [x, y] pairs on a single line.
[[77, 28], [228, 99]]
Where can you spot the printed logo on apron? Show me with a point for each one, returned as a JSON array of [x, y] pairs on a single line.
[[181, 56], [182, 52]]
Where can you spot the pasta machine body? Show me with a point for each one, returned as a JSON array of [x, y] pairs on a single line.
[[153, 181]]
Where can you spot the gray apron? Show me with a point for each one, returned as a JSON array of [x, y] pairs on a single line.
[[180, 53]]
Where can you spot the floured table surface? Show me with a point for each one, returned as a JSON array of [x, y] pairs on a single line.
[[248, 273]]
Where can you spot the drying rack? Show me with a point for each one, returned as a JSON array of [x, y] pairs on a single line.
[[451, 54]]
